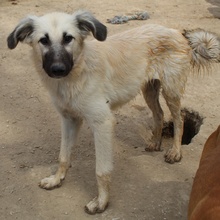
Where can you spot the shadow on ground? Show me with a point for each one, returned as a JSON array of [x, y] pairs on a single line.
[[214, 10]]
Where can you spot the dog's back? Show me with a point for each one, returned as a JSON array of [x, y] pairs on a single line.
[[204, 201]]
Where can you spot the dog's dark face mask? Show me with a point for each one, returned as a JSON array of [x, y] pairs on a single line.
[[57, 61], [57, 64]]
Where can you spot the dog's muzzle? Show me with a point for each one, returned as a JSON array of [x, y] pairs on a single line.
[[57, 64]]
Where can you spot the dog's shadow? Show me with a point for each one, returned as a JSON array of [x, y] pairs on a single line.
[[128, 142]]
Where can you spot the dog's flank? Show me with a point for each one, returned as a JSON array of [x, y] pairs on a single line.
[[87, 79]]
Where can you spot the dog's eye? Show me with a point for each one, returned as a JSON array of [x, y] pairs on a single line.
[[44, 41], [67, 39]]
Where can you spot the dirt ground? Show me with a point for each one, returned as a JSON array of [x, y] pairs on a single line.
[[144, 187]]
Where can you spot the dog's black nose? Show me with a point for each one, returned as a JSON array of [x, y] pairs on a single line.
[[58, 70]]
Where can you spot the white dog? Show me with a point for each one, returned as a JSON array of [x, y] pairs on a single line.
[[87, 79]]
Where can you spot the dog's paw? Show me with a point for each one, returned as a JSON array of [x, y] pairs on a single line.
[[153, 147], [173, 156], [50, 182], [96, 206]]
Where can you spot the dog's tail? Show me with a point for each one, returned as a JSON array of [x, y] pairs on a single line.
[[205, 47]]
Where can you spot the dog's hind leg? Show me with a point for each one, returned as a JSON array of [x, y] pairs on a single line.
[[70, 128], [151, 91], [174, 154], [103, 132]]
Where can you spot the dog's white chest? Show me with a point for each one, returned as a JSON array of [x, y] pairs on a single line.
[[66, 99]]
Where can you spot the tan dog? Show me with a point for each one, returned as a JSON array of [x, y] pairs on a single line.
[[204, 201], [87, 79]]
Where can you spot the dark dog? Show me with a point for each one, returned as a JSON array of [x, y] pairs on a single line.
[[204, 201]]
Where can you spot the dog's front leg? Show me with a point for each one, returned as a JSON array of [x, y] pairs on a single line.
[[103, 133], [70, 128]]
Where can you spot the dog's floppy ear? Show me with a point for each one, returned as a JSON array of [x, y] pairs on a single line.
[[87, 22], [22, 32]]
